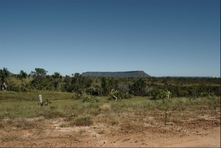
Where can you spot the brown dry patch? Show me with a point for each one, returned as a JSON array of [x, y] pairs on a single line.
[[135, 132]]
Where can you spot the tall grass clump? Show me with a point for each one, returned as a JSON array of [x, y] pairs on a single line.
[[105, 107], [82, 121], [49, 113], [33, 96], [25, 124]]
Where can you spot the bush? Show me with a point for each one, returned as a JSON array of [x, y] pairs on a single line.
[[90, 99], [105, 107], [25, 124], [50, 114], [114, 122], [159, 94], [84, 121], [119, 95]]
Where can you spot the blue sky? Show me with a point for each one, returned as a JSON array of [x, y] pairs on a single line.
[[160, 37]]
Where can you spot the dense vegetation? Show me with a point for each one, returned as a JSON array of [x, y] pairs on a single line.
[[83, 101], [113, 87]]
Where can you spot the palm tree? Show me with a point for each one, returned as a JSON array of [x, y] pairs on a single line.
[[4, 73], [22, 75]]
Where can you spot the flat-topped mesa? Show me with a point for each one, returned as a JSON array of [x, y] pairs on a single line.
[[117, 74]]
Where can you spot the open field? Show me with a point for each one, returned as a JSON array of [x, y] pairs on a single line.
[[100, 122]]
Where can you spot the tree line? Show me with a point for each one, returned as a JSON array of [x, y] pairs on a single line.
[[114, 87]]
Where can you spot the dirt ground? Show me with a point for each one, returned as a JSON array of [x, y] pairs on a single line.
[[203, 132]]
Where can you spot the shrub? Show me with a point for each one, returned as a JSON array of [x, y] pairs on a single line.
[[105, 107], [131, 127], [90, 99], [53, 107], [101, 131], [63, 125], [11, 138], [50, 114], [81, 131], [53, 114], [25, 124], [159, 94], [114, 122], [84, 121], [119, 95], [1, 126]]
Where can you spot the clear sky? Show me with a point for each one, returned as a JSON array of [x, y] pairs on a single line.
[[160, 37]]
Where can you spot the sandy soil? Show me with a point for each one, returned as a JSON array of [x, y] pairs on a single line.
[[203, 132]]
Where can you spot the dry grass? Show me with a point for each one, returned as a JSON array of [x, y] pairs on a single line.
[[25, 124], [124, 113], [10, 138], [83, 121], [105, 107]]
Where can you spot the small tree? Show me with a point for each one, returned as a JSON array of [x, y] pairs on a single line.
[[4, 73], [57, 78], [22, 75], [138, 87], [105, 85], [159, 94], [40, 80], [123, 87]]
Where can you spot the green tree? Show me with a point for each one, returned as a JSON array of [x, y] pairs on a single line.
[[123, 87], [159, 94], [21, 76], [40, 80], [67, 83], [107, 85], [76, 82], [39, 72], [4, 74], [138, 87], [57, 77]]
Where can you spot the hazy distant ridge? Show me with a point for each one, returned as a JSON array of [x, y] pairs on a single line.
[[116, 74]]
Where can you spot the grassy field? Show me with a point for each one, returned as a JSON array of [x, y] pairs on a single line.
[[33, 96], [21, 106]]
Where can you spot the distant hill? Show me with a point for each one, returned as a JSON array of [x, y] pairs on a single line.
[[116, 74]]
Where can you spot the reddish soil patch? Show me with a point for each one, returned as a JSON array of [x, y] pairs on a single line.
[[54, 133]]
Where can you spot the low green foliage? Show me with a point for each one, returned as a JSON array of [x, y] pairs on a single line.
[[80, 86], [101, 131], [50, 114], [114, 122], [7, 92], [90, 99], [2, 126], [119, 95], [63, 125], [159, 94], [81, 131], [131, 127], [83, 121], [78, 113], [25, 124], [11, 138], [33, 96]]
